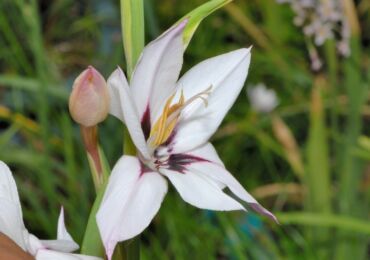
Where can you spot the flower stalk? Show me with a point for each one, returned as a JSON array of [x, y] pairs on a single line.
[[97, 163]]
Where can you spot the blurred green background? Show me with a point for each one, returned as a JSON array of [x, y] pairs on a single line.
[[307, 161]]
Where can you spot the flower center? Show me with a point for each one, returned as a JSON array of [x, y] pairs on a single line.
[[166, 123]]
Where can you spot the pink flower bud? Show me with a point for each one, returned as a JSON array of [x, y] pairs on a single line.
[[89, 100]]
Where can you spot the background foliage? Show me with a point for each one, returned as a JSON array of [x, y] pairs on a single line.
[[308, 160]]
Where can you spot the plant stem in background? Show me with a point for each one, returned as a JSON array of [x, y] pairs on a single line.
[[318, 173], [351, 167]]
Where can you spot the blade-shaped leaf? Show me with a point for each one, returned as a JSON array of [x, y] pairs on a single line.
[[197, 15], [132, 21]]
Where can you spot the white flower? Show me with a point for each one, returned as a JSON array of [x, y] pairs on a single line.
[[170, 122], [11, 224], [262, 99]]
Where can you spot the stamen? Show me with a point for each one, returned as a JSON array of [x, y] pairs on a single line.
[[165, 124]]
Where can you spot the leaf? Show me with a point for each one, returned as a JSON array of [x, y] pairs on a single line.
[[132, 22], [197, 15], [325, 220], [92, 244], [32, 85]]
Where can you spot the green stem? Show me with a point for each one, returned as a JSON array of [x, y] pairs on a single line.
[[318, 170], [351, 167], [331, 58]]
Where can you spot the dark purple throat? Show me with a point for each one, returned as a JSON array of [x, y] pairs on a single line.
[[145, 122], [179, 162]]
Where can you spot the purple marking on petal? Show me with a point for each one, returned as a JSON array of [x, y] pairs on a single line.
[[261, 210], [145, 122], [143, 169], [171, 138], [178, 162]]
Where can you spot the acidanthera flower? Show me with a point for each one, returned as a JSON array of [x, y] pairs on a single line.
[[170, 123], [11, 225]]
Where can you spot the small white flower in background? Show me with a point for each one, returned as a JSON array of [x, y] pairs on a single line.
[[11, 225], [262, 99], [170, 122], [320, 31], [322, 20]]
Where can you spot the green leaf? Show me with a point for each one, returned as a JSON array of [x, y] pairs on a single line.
[[318, 169], [132, 22], [32, 85], [92, 244], [325, 220], [197, 15]]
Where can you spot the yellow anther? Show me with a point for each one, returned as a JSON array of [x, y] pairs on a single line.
[[165, 124]]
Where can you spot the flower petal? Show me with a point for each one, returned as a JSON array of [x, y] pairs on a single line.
[[116, 83], [215, 170], [200, 191], [226, 75], [44, 254], [129, 113], [11, 221], [157, 71], [131, 200], [64, 241]]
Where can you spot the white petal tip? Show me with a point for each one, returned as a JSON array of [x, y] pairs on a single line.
[[245, 52], [110, 246]]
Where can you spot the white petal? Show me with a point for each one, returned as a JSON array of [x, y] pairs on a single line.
[[33, 244], [131, 200], [64, 242], [45, 254], [226, 74], [157, 71], [116, 82], [129, 112], [62, 233], [200, 191], [11, 221], [215, 170]]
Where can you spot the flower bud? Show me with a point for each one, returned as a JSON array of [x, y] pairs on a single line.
[[89, 100]]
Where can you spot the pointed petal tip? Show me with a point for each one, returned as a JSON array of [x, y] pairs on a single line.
[[261, 210], [118, 70], [245, 51], [179, 28], [117, 74], [184, 22], [109, 246]]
